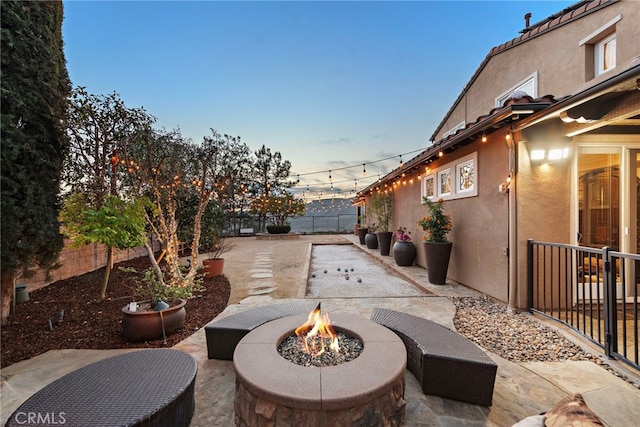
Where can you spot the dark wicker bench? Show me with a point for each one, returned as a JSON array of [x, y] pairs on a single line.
[[224, 335], [142, 388], [446, 363]]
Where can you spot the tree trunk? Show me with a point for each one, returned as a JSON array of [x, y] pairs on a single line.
[[107, 273], [154, 263], [7, 294]]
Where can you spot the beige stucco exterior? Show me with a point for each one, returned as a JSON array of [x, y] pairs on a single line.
[[491, 229], [556, 58]]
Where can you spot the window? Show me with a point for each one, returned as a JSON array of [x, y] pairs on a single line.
[[600, 49], [453, 180], [528, 85], [605, 55], [444, 182], [465, 176]]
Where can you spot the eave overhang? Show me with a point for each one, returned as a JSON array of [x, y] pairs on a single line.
[[498, 119], [592, 104]]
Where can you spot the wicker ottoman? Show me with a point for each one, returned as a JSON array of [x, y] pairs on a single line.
[[142, 388]]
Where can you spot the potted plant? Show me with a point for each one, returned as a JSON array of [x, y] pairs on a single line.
[[436, 224], [214, 263], [278, 209], [404, 251], [157, 310], [371, 238], [362, 229], [382, 207]]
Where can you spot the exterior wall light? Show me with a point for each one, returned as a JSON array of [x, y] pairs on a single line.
[[539, 154]]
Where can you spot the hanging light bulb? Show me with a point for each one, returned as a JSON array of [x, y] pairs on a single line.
[[440, 154], [330, 179], [484, 137], [401, 163], [364, 169]]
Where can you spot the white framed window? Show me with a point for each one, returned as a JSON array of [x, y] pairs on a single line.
[[529, 85], [601, 49], [465, 176], [453, 130], [605, 54], [444, 182], [429, 186], [453, 180]]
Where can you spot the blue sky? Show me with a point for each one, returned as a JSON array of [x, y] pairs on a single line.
[[328, 84]]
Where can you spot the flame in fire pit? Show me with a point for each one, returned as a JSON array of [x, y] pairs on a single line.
[[313, 333]]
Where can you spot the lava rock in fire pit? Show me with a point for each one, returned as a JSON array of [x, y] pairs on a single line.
[[292, 350]]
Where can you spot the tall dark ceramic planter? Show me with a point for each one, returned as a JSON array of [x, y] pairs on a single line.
[[384, 242], [437, 259], [371, 240], [404, 253], [362, 232]]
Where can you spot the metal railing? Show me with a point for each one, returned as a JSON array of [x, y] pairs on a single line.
[[340, 223], [593, 291]]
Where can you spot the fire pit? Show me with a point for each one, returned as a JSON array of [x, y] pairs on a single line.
[[367, 390]]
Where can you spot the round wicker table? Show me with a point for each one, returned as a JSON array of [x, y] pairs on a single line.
[[142, 388]]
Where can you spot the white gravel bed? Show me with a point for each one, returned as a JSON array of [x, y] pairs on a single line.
[[515, 336]]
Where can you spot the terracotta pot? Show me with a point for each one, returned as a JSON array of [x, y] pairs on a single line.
[[404, 253], [148, 325], [384, 241], [437, 260], [213, 267], [362, 232], [371, 240]]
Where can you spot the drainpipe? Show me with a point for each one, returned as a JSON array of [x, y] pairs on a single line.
[[512, 251]]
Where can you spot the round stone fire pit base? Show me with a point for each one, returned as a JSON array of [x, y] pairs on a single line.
[[368, 390]]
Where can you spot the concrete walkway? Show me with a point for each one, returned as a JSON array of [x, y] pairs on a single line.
[[264, 271]]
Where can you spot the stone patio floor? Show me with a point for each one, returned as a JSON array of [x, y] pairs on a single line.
[[263, 271]]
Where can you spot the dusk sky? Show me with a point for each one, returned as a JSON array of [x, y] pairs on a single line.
[[328, 84]]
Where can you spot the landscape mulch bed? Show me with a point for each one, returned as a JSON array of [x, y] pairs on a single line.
[[89, 324]]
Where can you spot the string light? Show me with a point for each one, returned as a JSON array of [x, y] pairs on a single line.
[[330, 179], [440, 154], [364, 169], [401, 163], [484, 137]]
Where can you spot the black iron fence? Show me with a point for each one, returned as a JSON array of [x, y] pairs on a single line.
[[341, 223], [593, 291]]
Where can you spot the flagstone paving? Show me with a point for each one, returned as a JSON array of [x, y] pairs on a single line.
[[521, 389]]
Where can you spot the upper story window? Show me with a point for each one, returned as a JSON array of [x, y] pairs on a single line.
[[600, 49], [605, 54], [529, 86]]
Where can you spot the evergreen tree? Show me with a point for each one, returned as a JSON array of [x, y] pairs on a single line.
[[35, 86]]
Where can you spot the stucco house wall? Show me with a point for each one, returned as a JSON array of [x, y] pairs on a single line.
[[489, 253], [561, 64]]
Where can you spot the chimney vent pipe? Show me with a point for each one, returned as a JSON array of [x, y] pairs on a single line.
[[527, 18]]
